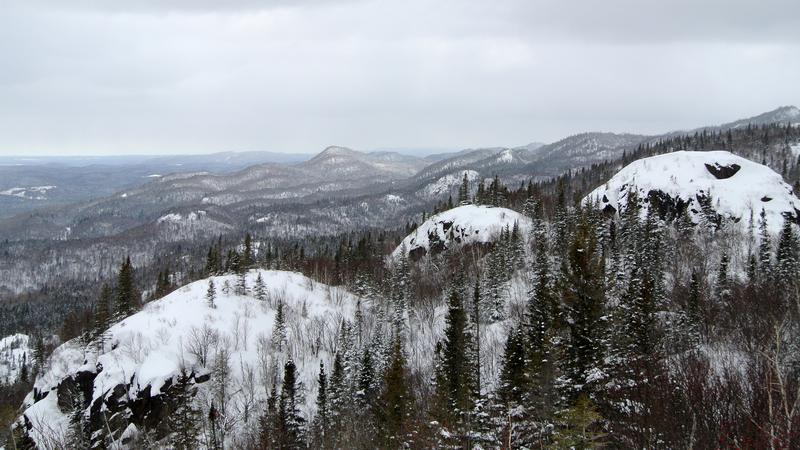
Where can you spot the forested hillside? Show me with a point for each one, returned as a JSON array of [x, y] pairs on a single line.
[[648, 325]]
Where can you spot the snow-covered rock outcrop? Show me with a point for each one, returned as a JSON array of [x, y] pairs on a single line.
[[127, 384], [468, 224], [730, 186]]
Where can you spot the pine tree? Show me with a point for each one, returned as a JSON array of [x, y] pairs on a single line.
[[764, 247], [164, 284], [322, 419], [289, 426], [366, 379], [513, 374], [336, 396], [247, 254], [102, 317], [581, 427], [279, 331], [260, 289], [78, 428], [211, 294], [400, 285], [183, 420], [694, 310], [212, 261], [463, 191], [786, 255], [722, 287], [453, 384], [396, 401], [583, 296], [127, 299], [267, 438], [241, 283]]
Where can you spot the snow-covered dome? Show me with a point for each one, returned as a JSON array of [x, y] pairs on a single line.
[[730, 185], [468, 224]]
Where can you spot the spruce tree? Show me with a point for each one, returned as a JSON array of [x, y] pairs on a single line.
[[322, 419], [513, 374], [102, 317], [583, 296], [786, 255], [184, 419], [260, 288], [463, 191], [396, 401], [453, 374], [241, 283], [211, 294], [289, 426], [722, 288], [127, 298], [694, 310], [279, 330], [764, 247], [247, 255]]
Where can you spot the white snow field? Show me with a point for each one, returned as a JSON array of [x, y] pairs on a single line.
[[462, 225], [734, 193]]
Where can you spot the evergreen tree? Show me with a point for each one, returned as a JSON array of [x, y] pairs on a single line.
[[268, 424], [211, 294], [581, 429], [786, 255], [279, 331], [463, 191], [722, 288], [289, 426], [583, 296], [164, 284], [247, 255], [366, 379], [694, 310], [322, 419], [102, 317], [396, 401], [127, 298], [764, 247], [454, 386], [241, 283], [260, 289], [78, 436], [513, 374], [183, 420]]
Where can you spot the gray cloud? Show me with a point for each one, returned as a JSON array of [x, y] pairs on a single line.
[[182, 76]]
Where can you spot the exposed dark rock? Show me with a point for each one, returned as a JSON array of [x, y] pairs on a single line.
[[721, 172]]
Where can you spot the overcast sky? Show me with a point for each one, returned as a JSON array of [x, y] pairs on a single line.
[[181, 76]]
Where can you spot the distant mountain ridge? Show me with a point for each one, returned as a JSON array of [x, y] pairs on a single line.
[[334, 191]]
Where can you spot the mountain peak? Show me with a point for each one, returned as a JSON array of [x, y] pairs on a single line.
[[335, 150]]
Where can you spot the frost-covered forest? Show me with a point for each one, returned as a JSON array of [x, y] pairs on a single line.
[[524, 316]]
